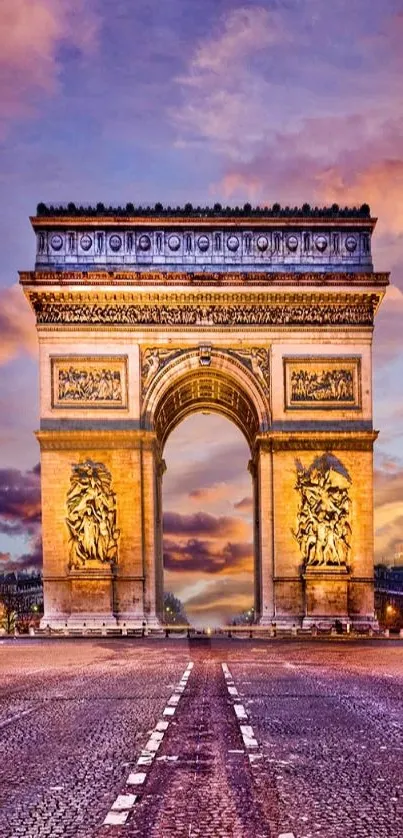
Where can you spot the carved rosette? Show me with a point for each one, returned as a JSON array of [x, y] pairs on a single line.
[[323, 520], [91, 516]]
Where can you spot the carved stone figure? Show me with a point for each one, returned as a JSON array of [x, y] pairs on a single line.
[[323, 528], [260, 366], [153, 360], [258, 360], [91, 515], [152, 363]]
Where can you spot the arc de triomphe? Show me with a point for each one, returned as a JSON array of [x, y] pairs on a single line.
[[147, 315]]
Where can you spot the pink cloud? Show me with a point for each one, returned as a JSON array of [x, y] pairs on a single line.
[[380, 181], [388, 342], [32, 32], [202, 524], [242, 33], [388, 512], [210, 494], [222, 95], [347, 159], [245, 505], [17, 325], [207, 556]]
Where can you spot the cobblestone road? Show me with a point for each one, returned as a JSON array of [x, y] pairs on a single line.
[[289, 738]]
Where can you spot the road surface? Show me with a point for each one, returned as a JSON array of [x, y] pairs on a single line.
[[246, 739]]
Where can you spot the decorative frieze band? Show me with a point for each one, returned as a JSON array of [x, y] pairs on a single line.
[[186, 314]]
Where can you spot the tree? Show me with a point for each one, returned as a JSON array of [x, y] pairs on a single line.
[[9, 604], [246, 618], [174, 611]]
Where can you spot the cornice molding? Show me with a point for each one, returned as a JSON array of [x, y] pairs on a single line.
[[316, 441], [68, 440], [188, 214], [231, 278]]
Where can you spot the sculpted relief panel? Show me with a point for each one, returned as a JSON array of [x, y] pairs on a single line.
[[91, 516], [323, 520], [98, 382], [319, 383]]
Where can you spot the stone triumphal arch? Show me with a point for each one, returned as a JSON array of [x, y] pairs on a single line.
[[147, 315]]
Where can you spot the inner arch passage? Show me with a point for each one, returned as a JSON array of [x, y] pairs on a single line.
[[206, 390]]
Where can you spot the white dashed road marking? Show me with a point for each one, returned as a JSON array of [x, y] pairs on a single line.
[[13, 719], [250, 742], [120, 809], [246, 730]]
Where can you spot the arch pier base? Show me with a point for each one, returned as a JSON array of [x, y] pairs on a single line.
[[102, 594], [315, 545]]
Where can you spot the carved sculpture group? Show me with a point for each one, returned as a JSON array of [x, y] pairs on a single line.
[[210, 315], [89, 385], [329, 385], [91, 515], [323, 528]]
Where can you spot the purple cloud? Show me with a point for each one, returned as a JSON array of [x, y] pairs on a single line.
[[204, 557]]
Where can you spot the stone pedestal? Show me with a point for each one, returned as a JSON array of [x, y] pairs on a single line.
[[92, 604], [326, 595]]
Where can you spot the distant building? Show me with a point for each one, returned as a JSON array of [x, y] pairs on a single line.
[[389, 595], [27, 588]]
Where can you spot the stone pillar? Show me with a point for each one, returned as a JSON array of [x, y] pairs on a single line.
[[361, 605], [150, 531], [159, 570], [265, 546], [129, 576], [256, 541]]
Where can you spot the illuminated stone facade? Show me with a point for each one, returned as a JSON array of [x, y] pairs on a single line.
[[144, 317]]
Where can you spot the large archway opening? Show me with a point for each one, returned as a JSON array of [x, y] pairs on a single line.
[[216, 387], [208, 538]]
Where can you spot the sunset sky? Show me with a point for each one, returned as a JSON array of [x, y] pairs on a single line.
[[287, 101]]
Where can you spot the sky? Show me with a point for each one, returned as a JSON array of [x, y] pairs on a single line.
[[287, 101]]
